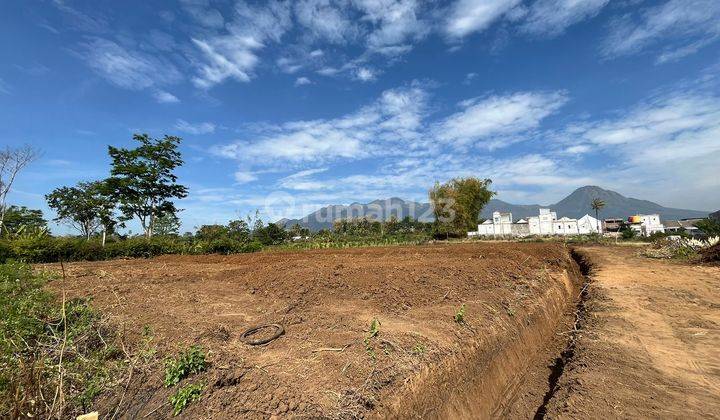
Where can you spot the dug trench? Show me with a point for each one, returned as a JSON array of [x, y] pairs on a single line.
[[510, 375], [523, 303]]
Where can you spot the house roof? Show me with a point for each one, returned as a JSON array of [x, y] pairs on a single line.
[[521, 222]]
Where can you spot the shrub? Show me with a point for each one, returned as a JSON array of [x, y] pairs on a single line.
[[6, 251], [184, 397], [35, 333], [188, 362]]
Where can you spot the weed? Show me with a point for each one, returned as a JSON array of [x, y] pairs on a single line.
[[374, 331], [510, 311], [188, 362], [419, 349], [185, 396], [460, 314], [46, 345]]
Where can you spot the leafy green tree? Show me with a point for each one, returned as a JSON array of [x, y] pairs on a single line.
[[457, 204], [298, 231], [272, 234], [710, 227], [85, 207], [212, 232], [143, 179], [19, 217], [238, 230], [167, 224]]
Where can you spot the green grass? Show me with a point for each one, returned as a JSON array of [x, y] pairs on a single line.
[[36, 334]]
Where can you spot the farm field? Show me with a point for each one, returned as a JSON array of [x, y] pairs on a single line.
[[421, 361], [546, 331]]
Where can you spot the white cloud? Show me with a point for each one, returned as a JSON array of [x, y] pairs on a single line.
[[681, 27], [243, 177], [661, 120], [552, 17], [300, 81], [164, 97], [197, 129], [396, 23], [125, 68], [326, 20], [469, 16], [365, 74], [234, 55], [391, 121], [496, 120], [202, 13]]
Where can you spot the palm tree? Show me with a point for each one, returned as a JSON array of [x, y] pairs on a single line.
[[597, 204]]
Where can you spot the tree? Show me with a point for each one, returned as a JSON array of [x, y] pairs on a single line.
[[85, 207], [457, 203], [19, 217], [710, 227], [597, 204], [297, 231], [211, 232], [143, 179], [272, 234], [167, 224], [238, 230], [12, 161]]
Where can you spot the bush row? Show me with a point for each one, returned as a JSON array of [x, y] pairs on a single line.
[[50, 249]]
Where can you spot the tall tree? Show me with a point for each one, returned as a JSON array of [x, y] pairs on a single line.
[[12, 161], [167, 224], [597, 205], [86, 207], [143, 179], [458, 202]]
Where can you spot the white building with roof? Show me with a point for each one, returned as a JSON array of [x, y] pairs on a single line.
[[646, 224], [545, 223]]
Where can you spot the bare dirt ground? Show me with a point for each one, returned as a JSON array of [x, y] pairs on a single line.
[[650, 345], [422, 364]]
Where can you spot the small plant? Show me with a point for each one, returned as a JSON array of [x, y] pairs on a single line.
[[374, 331], [188, 362], [185, 396], [460, 314], [419, 349]]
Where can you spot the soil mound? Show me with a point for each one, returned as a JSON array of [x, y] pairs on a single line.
[[712, 254]]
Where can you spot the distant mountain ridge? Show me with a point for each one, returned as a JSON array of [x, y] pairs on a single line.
[[575, 205]]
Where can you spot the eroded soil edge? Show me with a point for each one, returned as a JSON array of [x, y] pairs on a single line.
[[512, 374]]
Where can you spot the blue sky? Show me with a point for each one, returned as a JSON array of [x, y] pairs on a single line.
[[288, 106]]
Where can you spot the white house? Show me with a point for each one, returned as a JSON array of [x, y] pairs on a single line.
[[588, 224], [543, 223], [546, 223], [500, 225], [646, 224], [565, 226]]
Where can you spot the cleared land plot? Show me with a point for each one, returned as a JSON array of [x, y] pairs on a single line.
[[422, 362], [650, 346]]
